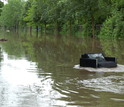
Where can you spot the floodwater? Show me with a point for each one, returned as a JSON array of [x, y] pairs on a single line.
[[38, 72]]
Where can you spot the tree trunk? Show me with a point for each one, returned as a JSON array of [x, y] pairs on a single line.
[[57, 29], [45, 28], [70, 27], [30, 30], [36, 31], [41, 30], [15, 28], [93, 27]]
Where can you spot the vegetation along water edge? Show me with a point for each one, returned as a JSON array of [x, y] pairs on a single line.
[[95, 18]]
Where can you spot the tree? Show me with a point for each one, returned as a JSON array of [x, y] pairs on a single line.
[[63, 15], [114, 25], [11, 15], [91, 12], [1, 5], [54, 10], [36, 14]]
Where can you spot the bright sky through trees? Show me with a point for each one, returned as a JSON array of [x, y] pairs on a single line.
[[5, 1]]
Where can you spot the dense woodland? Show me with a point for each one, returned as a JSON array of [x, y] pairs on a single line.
[[95, 18]]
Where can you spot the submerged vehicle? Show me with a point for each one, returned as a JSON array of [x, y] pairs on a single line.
[[97, 60]]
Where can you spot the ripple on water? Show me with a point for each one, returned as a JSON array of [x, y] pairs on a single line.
[[113, 84], [115, 99], [119, 68]]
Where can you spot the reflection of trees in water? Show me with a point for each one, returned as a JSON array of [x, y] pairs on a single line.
[[1, 55], [62, 52], [13, 47], [113, 47]]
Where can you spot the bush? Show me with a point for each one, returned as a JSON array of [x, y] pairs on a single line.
[[113, 26]]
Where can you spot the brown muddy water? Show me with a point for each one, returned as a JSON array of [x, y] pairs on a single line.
[[38, 72]]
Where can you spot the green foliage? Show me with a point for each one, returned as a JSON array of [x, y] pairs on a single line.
[[67, 15], [92, 12], [114, 25], [27, 6], [1, 5], [12, 13]]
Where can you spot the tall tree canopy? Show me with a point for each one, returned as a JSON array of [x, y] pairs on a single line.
[[12, 13], [1, 5], [67, 15], [114, 25]]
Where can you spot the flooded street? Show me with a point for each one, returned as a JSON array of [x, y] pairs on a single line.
[[38, 72]]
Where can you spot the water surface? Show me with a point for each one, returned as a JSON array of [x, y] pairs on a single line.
[[38, 72]]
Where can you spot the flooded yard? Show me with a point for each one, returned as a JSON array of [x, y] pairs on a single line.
[[38, 72]]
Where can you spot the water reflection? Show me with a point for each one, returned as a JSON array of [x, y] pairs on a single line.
[[20, 85], [13, 70], [113, 47], [119, 68]]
